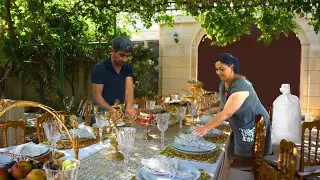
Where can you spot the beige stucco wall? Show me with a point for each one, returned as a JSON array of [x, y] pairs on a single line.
[[178, 61]]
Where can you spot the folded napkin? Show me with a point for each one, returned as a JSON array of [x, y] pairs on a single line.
[[193, 140], [161, 165], [83, 132], [4, 150], [29, 149]]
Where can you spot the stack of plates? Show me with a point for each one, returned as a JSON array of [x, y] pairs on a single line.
[[193, 150], [143, 174]]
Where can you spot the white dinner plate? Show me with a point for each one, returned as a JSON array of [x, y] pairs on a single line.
[[192, 150], [182, 167], [139, 174]]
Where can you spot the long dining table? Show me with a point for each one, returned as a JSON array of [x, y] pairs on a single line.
[[95, 166]]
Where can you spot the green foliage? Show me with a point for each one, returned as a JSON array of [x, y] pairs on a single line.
[[31, 35], [144, 73]]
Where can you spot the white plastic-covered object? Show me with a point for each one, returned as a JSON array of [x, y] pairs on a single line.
[[286, 122]]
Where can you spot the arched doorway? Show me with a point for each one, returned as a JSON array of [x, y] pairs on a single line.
[[267, 67]]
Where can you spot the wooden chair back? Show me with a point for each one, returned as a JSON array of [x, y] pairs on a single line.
[[46, 117], [258, 146], [287, 159], [158, 99], [15, 125], [87, 112], [267, 172], [141, 102], [309, 146]]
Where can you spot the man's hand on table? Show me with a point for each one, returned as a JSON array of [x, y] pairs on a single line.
[[131, 113]]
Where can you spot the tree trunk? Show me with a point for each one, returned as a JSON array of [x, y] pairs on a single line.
[[11, 27]]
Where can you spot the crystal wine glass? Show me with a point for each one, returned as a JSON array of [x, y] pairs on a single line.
[[52, 134], [126, 137], [162, 124], [181, 114], [101, 121], [193, 110]]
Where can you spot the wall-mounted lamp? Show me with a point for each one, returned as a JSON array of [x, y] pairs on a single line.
[[175, 37]]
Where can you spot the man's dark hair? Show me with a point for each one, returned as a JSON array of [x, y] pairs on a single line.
[[122, 43]]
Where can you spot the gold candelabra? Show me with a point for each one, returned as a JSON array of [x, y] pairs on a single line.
[[48, 109], [113, 119]]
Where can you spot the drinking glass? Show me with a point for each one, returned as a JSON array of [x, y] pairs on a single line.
[[162, 124], [175, 97], [52, 134], [193, 110], [126, 137], [53, 173], [181, 114], [150, 104], [101, 121]]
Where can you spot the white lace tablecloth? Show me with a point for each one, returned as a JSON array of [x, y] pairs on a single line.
[[94, 166], [97, 167]]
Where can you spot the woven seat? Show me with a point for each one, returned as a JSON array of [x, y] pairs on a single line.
[[15, 125]]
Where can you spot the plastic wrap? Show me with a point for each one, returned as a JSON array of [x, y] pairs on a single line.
[[286, 123]]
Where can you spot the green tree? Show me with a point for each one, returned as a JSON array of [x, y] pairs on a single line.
[[145, 75]]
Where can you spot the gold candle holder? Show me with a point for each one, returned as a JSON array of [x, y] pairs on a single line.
[[114, 155]]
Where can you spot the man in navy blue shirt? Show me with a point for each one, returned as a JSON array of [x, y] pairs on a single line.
[[111, 78]]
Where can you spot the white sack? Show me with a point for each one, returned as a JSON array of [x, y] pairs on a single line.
[[286, 122]]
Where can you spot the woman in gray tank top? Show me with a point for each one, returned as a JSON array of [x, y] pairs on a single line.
[[239, 104]]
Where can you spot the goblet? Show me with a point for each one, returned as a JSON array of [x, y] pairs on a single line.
[[181, 113], [101, 121], [150, 104], [193, 110], [125, 142], [52, 134], [162, 124]]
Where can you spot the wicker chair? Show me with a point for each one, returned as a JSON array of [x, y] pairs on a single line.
[[258, 146], [309, 158], [267, 172], [15, 125], [46, 117]]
